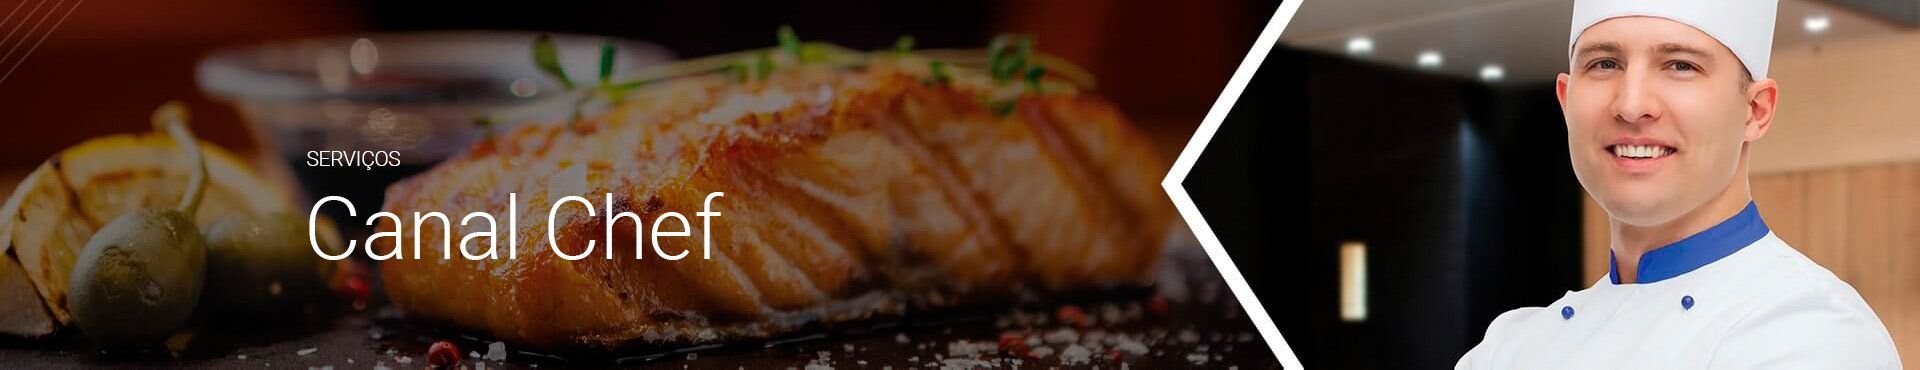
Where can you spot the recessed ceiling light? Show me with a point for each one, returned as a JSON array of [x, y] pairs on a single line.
[[1360, 45], [1492, 72], [1429, 59], [1817, 23]]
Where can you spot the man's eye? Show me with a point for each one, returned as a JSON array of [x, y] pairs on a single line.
[[1683, 66], [1606, 64]]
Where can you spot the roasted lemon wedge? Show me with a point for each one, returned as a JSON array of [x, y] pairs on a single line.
[[55, 209]]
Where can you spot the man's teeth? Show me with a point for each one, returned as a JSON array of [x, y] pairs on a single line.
[[1641, 151]]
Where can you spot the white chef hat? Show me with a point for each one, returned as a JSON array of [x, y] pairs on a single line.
[[1744, 26]]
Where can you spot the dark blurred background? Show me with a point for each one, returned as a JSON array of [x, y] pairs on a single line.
[[1454, 186]]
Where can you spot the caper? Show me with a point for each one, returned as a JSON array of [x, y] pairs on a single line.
[[139, 277], [262, 265]]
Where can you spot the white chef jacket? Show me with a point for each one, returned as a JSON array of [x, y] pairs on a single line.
[[1731, 297]]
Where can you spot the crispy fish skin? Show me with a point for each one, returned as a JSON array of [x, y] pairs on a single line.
[[849, 194]]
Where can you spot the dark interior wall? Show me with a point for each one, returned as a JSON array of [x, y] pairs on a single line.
[[1460, 190], [1386, 170], [1523, 202]]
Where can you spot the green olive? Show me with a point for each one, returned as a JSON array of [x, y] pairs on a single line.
[[138, 278], [263, 265]]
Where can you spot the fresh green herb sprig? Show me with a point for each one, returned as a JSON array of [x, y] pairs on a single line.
[[937, 73], [1009, 59], [903, 45], [547, 58], [789, 41], [1006, 55]]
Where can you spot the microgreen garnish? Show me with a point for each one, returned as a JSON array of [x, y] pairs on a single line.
[[937, 71], [606, 63], [763, 66], [1034, 75], [630, 85], [1009, 59], [615, 92], [903, 45], [573, 119], [547, 57], [1007, 55], [742, 71], [789, 41]]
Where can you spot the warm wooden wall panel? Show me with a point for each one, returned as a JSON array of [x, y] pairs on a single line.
[[1843, 102], [1862, 222]]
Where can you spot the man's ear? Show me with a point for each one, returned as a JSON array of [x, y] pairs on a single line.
[[1762, 97], [1560, 90]]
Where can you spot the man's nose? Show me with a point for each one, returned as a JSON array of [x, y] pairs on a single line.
[[1637, 102]]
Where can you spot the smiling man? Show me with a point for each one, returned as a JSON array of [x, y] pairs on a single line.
[[1664, 100]]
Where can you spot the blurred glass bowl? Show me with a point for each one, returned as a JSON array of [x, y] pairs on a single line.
[[414, 93]]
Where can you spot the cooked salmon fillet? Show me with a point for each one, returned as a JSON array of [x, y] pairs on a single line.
[[850, 193]]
